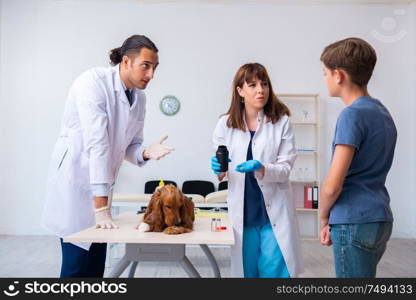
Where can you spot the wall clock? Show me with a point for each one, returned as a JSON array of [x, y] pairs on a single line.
[[170, 105]]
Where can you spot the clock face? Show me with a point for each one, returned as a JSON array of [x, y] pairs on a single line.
[[170, 105]]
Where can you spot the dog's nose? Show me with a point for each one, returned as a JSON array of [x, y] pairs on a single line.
[[177, 223]]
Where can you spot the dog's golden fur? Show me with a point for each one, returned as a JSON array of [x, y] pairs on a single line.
[[170, 211]]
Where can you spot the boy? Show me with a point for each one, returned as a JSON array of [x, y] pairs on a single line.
[[355, 206]]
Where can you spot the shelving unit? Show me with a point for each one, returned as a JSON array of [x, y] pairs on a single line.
[[305, 109]]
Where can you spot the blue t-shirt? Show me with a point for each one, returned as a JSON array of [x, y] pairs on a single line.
[[368, 126], [255, 213]]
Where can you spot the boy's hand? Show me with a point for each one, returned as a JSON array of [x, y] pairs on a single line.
[[326, 236]]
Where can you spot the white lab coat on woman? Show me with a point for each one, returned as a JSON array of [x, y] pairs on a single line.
[[99, 130], [273, 146]]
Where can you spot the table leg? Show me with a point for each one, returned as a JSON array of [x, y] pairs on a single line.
[[120, 267], [212, 260], [133, 269], [174, 252], [189, 268]]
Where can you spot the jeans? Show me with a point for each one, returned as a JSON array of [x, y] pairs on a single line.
[[77, 262], [359, 247], [262, 256]]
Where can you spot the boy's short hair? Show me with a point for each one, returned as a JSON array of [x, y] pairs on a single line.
[[353, 55]]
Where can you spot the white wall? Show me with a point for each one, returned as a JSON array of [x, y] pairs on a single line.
[[45, 44]]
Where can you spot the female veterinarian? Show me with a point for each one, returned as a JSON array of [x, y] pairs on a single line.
[[102, 125], [257, 132]]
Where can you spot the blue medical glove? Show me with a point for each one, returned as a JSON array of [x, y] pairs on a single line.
[[215, 165], [249, 166]]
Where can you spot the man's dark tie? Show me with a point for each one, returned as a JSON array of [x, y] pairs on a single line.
[[128, 94]]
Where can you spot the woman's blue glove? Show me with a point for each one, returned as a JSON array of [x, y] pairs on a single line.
[[215, 165], [249, 166]]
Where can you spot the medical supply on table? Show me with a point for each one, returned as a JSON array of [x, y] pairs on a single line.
[[213, 224], [218, 225], [222, 156]]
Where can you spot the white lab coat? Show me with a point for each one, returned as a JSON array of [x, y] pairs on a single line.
[[98, 131], [273, 146]]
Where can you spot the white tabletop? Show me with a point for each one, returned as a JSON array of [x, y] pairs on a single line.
[[127, 233]]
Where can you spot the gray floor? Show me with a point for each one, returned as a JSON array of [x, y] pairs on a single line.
[[39, 256]]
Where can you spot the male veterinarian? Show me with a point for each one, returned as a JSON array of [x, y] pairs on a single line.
[[102, 125]]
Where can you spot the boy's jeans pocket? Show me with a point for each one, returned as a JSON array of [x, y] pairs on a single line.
[[359, 247]]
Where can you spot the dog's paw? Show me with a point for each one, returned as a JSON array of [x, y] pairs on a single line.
[[172, 230], [186, 230], [143, 227], [176, 230]]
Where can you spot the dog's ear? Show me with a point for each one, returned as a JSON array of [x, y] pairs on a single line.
[[154, 213], [187, 212]]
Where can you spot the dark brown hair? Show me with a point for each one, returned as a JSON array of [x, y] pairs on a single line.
[[353, 55], [274, 108], [133, 45]]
